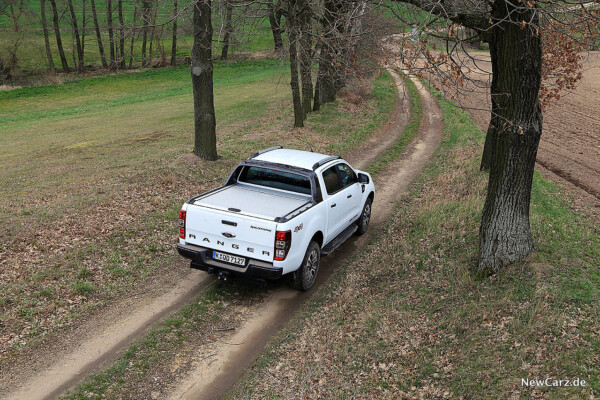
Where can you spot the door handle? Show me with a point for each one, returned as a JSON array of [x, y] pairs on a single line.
[[333, 205], [348, 196]]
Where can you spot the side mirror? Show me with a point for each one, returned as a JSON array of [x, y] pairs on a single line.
[[362, 178]]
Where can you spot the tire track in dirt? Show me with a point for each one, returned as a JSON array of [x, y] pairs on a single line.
[[103, 344], [219, 367]]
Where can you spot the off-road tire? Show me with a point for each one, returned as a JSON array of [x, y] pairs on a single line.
[[305, 276], [365, 218]]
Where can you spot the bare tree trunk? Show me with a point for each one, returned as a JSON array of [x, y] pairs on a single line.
[[121, 35], [292, 26], [98, 36], [205, 142], [325, 88], [228, 29], [306, 59], [46, 37], [111, 35], [16, 14], [174, 44], [83, 32], [146, 19], [505, 233], [275, 14], [153, 11], [133, 35], [76, 34], [61, 51]]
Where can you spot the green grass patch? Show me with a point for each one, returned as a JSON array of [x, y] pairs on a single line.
[[90, 204], [406, 319], [410, 131]]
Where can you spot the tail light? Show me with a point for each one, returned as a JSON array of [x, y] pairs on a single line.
[[283, 241], [182, 224]]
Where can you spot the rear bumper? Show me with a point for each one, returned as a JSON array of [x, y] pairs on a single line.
[[202, 260]]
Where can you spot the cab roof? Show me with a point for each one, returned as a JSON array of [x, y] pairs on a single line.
[[295, 158]]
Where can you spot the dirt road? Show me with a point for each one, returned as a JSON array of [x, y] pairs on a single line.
[[102, 341], [213, 376]]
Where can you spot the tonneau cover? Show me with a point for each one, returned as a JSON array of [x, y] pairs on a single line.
[[255, 201]]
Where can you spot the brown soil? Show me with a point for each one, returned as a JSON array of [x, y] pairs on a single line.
[[569, 151]]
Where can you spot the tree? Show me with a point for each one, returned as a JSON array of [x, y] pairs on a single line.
[[275, 14], [174, 43], [305, 42], [514, 34], [61, 51], [111, 35], [146, 6], [46, 36], [98, 36], [228, 29], [121, 35], [293, 16], [330, 43], [205, 139], [76, 34]]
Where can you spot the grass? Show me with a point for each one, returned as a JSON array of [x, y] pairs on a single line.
[[250, 34], [410, 132], [173, 341], [406, 319], [93, 173]]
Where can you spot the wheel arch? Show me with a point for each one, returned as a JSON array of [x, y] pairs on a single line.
[[318, 237]]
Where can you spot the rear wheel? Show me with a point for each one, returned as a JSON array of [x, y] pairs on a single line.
[[305, 276], [365, 218]]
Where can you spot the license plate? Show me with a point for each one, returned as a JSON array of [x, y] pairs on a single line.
[[229, 258]]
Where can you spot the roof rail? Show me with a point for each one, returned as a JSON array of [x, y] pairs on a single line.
[[325, 161], [264, 151]]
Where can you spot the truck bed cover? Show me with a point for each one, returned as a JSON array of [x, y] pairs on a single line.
[[254, 201]]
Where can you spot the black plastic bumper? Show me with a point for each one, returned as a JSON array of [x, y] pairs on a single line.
[[201, 259]]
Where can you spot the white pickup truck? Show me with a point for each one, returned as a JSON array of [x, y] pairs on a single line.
[[278, 212]]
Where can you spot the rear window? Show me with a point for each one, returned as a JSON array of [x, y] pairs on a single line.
[[275, 179]]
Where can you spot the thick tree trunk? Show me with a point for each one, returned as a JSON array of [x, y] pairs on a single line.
[[205, 141], [46, 37], [76, 34], [61, 51], [505, 234], [98, 36], [228, 30], [174, 44], [121, 35], [111, 35], [306, 60], [292, 26], [275, 14]]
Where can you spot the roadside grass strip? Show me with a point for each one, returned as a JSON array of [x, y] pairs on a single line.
[[406, 319]]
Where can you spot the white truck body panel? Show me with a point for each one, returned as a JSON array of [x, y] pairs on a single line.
[[242, 219]]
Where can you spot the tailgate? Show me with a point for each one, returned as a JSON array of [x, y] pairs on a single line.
[[230, 232]]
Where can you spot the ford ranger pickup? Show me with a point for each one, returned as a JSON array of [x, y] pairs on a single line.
[[278, 212]]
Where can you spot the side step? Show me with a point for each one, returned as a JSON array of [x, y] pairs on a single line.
[[339, 239]]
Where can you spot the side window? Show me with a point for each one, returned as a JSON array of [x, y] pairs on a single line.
[[347, 175], [330, 178]]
